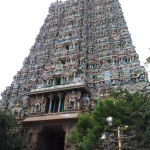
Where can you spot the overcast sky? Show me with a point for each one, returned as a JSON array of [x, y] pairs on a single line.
[[20, 21]]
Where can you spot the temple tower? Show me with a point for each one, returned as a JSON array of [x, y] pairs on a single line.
[[83, 51]]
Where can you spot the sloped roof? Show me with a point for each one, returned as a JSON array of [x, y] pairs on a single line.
[[50, 117]]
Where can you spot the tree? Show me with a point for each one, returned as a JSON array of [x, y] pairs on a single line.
[[126, 109], [148, 60], [147, 63], [89, 128], [138, 108], [9, 139]]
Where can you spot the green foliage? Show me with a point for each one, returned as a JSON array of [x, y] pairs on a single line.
[[83, 125], [148, 60], [138, 110], [138, 107], [9, 140], [126, 109]]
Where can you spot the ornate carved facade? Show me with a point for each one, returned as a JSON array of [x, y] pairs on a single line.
[[83, 50]]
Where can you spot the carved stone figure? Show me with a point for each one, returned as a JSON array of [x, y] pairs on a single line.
[[85, 102]]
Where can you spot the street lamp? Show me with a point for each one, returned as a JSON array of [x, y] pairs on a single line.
[[102, 96], [106, 135], [109, 121]]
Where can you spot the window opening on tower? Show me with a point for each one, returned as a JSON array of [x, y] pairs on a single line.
[[57, 80], [63, 61], [70, 34], [67, 46]]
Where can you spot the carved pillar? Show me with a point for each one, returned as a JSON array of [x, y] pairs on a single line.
[[59, 95], [42, 103], [66, 102], [78, 98], [67, 128], [45, 106], [74, 75], [50, 102], [78, 101], [31, 105]]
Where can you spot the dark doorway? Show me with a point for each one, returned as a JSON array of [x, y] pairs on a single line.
[[53, 139], [67, 46], [57, 80], [63, 61], [55, 104]]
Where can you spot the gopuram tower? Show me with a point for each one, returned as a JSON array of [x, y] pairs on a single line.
[[83, 51]]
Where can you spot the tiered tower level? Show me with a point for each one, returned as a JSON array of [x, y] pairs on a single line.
[[83, 50]]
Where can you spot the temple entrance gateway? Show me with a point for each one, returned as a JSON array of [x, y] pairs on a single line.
[[48, 132], [61, 106]]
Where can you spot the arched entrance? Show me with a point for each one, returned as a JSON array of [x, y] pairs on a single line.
[[52, 138], [48, 132]]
